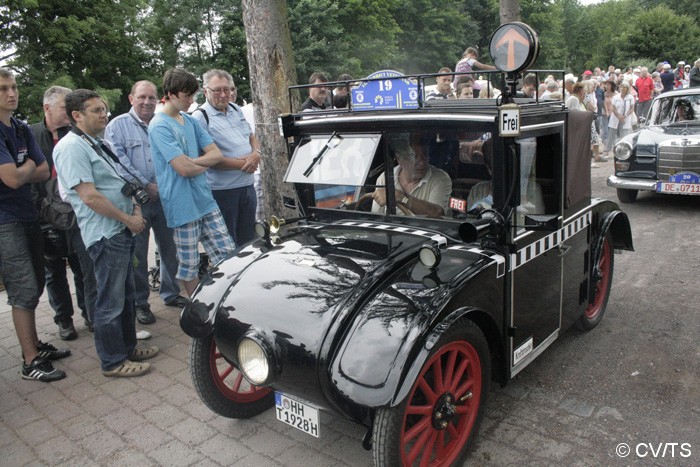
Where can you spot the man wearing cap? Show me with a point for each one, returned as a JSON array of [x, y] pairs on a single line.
[[586, 75], [667, 78], [645, 92]]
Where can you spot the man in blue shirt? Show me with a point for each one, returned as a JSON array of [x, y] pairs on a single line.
[[232, 180], [21, 242], [182, 151], [129, 135], [87, 170]]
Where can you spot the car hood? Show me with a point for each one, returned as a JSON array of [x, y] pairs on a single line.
[[648, 138]]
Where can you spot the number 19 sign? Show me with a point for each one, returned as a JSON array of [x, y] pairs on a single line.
[[388, 90]]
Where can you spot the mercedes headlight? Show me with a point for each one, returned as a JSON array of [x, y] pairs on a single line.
[[254, 361], [623, 150]]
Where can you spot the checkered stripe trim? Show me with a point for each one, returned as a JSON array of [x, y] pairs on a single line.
[[549, 242], [396, 228], [495, 258]]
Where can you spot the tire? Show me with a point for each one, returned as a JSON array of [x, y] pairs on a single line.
[[221, 386], [627, 196], [603, 274], [411, 433]]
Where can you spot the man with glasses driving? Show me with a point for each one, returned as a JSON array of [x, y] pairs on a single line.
[[129, 135], [232, 180]]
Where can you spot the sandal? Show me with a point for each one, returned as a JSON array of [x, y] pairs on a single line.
[[143, 353], [128, 369]]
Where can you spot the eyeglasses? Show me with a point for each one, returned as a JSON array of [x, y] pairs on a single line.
[[146, 98], [222, 90], [98, 111]]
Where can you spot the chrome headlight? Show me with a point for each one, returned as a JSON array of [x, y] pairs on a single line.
[[429, 255], [254, 361], [623, 150]]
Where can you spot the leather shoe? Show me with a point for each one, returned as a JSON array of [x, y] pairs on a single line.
[[66, 331], [178, 302], [145, 316]]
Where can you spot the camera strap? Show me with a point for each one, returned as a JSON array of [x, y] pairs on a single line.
[[104, 152]]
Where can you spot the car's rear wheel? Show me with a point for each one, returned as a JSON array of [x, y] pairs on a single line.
[[221, 386], [602, 279], [627, 196], [437, 422]]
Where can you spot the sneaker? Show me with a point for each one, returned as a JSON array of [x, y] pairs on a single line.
[[142, 335], [144, 315], [128, 369], [177, 302], [66, 331], [41, 370], [49, 352]]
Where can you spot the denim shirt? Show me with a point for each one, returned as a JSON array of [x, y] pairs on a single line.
[[129, 136]]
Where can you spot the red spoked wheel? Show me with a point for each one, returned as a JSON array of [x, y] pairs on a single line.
[[602, 278], [434, 426], [221, 386]]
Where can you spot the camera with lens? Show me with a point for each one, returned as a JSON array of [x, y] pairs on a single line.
[[136, 190]]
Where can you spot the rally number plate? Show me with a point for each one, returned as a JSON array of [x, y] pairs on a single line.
[[681, 188], [297, 414]]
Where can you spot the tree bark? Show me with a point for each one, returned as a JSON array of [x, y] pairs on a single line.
[[271, 65], [509, 11]]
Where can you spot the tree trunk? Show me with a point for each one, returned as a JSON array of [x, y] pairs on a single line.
[[271, 65], [509, 11]]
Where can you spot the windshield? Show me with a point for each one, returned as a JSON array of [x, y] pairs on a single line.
[[678, 109]]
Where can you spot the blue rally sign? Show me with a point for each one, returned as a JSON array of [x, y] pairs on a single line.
[[389, 90], [684, 177]]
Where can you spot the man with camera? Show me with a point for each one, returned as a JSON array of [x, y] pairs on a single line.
[[108, 220], [129, 135]]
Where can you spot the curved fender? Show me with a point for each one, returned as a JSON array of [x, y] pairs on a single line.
[[197, 317], [618, 224], [392, 335]]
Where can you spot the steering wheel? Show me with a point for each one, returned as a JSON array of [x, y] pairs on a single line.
[[368, 196]]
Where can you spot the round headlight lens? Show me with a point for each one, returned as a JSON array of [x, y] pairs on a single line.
[[429, 256], [253, 361], [623, 150]]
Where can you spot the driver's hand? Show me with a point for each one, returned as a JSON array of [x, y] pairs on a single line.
[[379, 196]]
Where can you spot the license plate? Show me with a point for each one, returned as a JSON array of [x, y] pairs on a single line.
[[297, 414], [682, 188]]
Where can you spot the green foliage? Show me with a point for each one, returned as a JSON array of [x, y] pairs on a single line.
[[108, 45]]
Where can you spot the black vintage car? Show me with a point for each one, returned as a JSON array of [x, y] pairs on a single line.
[[663, 156], [396, 305]]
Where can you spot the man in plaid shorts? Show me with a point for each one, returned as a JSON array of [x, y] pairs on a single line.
[[182, 151]]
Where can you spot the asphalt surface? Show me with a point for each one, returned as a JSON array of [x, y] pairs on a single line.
[[634, 380]]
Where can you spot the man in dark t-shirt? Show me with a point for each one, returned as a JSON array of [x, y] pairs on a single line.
[[21, 242]]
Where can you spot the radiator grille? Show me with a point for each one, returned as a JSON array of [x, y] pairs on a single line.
[[678, 158]]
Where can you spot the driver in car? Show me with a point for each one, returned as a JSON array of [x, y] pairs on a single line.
[[421, 189], [684, 111]]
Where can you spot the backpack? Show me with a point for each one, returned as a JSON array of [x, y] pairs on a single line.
[[54, 211]]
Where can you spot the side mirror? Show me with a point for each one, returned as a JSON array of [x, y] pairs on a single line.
[[548, 223], [289, 202]]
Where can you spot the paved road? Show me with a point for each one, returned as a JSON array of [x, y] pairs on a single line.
[[635, 380]]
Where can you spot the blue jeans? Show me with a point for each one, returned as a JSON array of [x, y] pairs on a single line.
[[238, 206], [169, 288], [115, 327]]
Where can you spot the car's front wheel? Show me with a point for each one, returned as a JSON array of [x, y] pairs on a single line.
[[627, 196], [221, 386], [602, 279], [438, 420]]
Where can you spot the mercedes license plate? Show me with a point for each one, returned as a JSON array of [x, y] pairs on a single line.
[[297, 414], [681, 188]]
